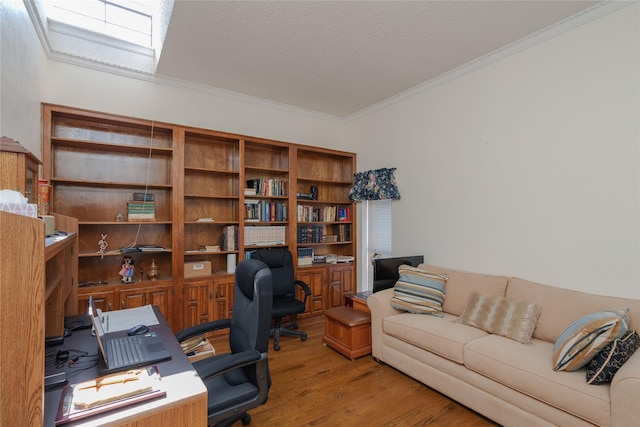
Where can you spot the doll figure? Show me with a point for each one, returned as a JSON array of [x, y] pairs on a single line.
[[127, 270]]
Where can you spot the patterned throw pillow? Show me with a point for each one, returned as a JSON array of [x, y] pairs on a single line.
[[605, 364], [584, 338], [419, 291], [501, 316]]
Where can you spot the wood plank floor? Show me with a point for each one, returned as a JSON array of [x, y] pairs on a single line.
[[314, 385]]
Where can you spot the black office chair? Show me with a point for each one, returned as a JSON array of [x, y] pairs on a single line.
[[285, 302], [239, 380]]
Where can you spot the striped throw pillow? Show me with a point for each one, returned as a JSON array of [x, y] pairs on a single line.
[[501, 316], [584, 338], [419, 291]]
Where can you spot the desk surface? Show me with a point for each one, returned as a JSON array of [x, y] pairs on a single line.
[[184, 404]]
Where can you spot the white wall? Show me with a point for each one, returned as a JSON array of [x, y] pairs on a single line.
[[528, 167], [22, 71], [96, 90]]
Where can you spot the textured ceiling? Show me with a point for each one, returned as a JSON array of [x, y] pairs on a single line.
[[340, 57]]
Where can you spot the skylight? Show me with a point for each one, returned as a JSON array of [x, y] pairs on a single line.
[[126, 20]]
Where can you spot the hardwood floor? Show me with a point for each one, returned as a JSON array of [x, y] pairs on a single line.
[[314, 385]]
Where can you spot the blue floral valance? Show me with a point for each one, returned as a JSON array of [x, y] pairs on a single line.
[[376, 184]]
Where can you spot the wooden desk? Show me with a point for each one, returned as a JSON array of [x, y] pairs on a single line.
[[185, 403]]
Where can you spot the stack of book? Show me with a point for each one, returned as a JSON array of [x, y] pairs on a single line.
[[141, 210], [305, 256]]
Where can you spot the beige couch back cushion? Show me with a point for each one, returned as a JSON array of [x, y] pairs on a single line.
[[461, 284], [559, 307]]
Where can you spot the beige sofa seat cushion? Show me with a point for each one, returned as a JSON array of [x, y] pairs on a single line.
[[461, 284], [439, 335], [560, 307], [527, 369]]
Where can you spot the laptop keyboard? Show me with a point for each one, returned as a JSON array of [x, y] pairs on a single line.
[[124, 351]]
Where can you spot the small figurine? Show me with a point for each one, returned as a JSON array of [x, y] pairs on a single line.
[[127, 270], [102, 245]]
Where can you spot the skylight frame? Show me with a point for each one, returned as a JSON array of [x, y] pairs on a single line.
[[94, 21]]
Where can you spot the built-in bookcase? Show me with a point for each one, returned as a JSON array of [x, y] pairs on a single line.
[[201, 185]]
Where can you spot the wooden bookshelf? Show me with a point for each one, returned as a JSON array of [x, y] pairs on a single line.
[[96, 162]]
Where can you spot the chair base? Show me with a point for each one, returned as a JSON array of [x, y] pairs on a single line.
[[279, 330]]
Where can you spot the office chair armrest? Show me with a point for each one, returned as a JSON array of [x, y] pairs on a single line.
[[305, 288], [202, 329], [217, 365]]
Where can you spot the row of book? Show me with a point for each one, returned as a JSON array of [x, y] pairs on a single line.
[[264, 210], [310, 234], [308, 213], [140, 210], [264, 236], [316, 234], [266, 187]]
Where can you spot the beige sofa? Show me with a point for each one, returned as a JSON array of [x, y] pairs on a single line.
[[511, 383]]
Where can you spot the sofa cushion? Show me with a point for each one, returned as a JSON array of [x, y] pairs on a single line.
[[525, 368], [419, 291], [602, 368], [439, 335], [500, 315], [560, 306], [586, 336], [461, 284]]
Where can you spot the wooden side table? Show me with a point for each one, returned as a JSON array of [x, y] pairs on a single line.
[[359, 301], [348, 331]]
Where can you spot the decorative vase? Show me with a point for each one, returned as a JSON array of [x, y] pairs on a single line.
[[152, 272]]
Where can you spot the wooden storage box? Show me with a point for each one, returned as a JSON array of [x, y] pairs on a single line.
[[347, 331]]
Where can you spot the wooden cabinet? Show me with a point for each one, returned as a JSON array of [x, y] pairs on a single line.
[[110, 297], [208, 300], [61, 279], [37, 282], [329, 283], [197, 182], [18, 169]]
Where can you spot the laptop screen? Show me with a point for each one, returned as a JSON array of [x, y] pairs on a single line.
[[97, 327]]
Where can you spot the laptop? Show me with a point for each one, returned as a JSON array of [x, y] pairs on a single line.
[[123, 352]]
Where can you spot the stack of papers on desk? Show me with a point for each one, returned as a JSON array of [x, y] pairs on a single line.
[[123, 320]]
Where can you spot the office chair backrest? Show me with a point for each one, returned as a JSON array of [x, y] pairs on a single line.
[[280, 262], [252, 301]]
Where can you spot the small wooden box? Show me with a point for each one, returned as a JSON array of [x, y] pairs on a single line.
[[347, 331]]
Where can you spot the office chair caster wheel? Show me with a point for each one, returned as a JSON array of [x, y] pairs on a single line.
[[246, 419], [303, 338], [276, 347]]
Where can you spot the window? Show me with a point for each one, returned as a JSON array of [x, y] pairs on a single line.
[[126, 20], [379, 227]]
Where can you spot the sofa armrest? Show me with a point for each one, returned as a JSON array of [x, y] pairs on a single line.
[[379, 305], [625, 389]]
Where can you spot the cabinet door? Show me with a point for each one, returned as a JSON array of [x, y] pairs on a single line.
[[160, 296], [103, 299], [316, 278], [223, 301], [340, 283], [198, 303]]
